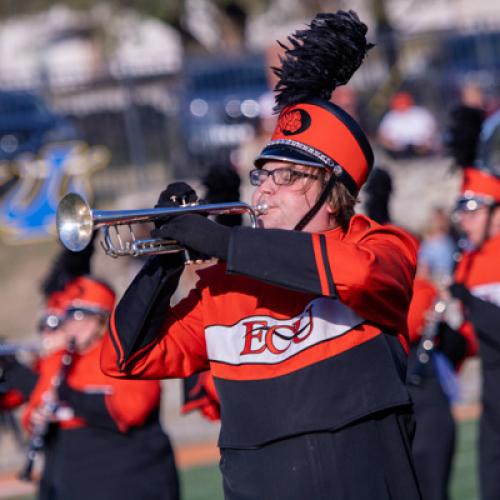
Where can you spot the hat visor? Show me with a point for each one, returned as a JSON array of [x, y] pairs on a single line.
[[279, 152]]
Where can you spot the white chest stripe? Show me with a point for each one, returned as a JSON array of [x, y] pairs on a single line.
[[489, 292], [264, 339]]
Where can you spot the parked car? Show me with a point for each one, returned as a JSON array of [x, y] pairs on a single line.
[[26, 123]]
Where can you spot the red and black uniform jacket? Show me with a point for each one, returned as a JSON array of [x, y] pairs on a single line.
[[302, 332], [96, 399], [478, 273]]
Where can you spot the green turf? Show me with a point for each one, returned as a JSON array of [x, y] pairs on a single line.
[[204, 483], [464, 477]]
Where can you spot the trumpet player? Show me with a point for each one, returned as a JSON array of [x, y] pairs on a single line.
[[302, 322]]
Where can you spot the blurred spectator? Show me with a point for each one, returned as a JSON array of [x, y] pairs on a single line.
[[437, 248], [407, 130], [472, 96]]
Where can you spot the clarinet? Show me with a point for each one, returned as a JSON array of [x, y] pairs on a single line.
[[37, 440], [427, 343]]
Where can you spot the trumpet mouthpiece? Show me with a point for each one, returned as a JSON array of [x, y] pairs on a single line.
[[261, 208]]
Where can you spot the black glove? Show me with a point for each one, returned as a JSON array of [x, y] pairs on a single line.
[[460, 292], [452, 343], [175, 194], [196, 232]]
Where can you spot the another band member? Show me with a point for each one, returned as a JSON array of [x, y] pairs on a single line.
[[477, 286], [436, 353], [303, 322], [105, 440]]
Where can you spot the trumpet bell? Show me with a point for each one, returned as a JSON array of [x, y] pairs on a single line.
[[74, 222]]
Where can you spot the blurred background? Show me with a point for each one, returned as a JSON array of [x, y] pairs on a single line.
[[114, 99]]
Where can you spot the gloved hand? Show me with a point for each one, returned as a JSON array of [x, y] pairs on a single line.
[[177, 193], [460, 292], [196, 232], [174, 195], [452, 343]]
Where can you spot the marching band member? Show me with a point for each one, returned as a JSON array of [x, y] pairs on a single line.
[[477, 286], [433, 385], [104, 440], [303, 321], [477, 276]]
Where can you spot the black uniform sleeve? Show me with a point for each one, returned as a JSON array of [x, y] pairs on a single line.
[[91, 407], [279, 257], [139, 315], [485, 317], [20, 377]]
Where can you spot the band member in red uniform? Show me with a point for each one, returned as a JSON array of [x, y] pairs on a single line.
[[303, 321], [477, 286], [104, 440], [436, 353]]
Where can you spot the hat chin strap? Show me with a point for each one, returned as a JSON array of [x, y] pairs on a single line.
[[319, 203]]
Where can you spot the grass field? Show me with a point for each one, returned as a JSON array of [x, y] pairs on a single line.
[[204, 483], [464, 478]]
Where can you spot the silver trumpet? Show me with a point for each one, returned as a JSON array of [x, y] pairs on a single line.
[[76, 222]]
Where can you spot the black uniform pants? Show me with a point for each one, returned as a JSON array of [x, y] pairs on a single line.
[[489, 457], [434, 441], [367, 460]]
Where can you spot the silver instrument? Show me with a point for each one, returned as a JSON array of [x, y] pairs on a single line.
[[76, 223]]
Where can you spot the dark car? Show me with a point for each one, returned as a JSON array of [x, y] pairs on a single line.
[[26, 123], [219, 107]]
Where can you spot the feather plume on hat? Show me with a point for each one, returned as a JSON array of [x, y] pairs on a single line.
[[321, 58]]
